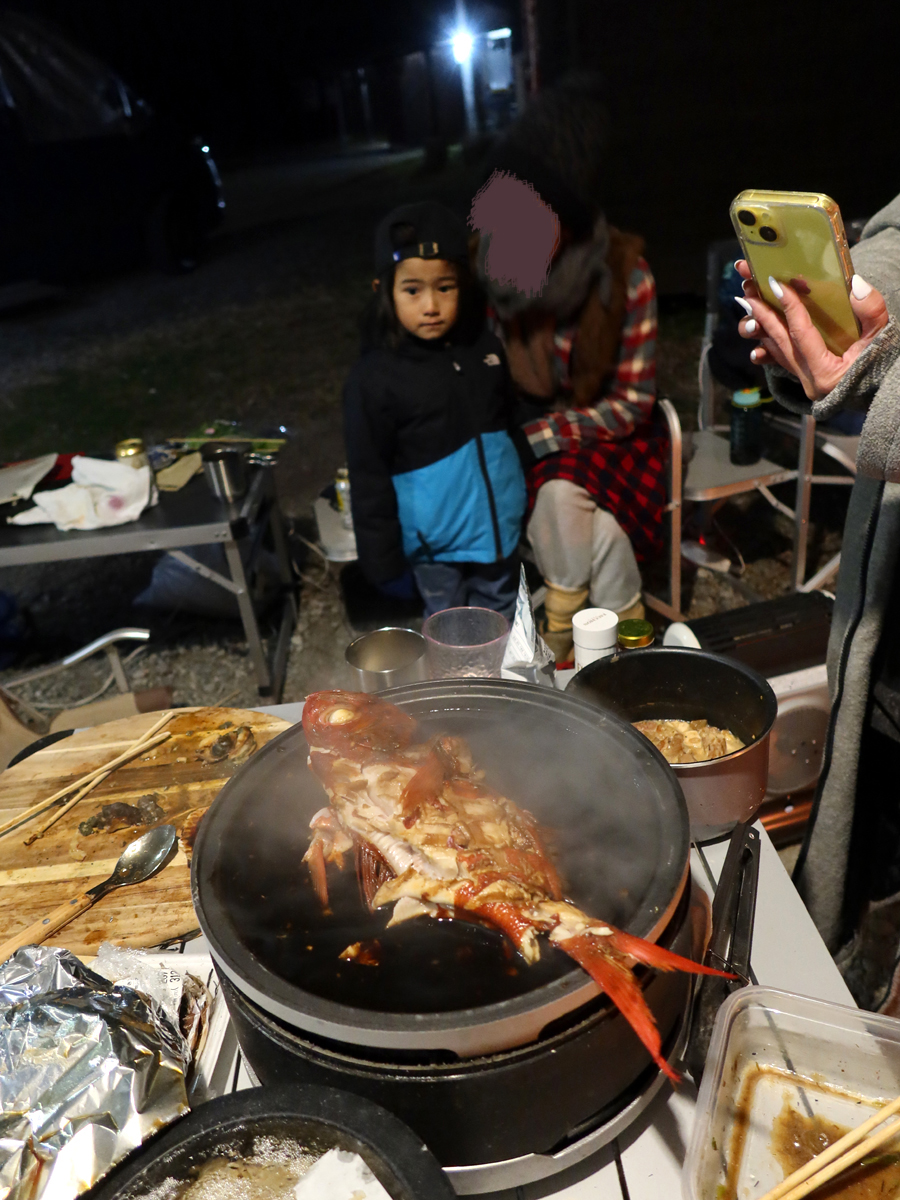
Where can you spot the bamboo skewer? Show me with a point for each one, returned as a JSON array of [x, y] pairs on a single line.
[[846, 1152], [43, 805], [89, 787]]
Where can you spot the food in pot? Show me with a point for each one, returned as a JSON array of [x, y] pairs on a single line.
[[689, 741], [431, 837]]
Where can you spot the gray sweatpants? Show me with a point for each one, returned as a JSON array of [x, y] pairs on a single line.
[[576, 544]]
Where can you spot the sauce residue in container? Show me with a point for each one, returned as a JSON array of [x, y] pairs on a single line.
[[797, 1138]]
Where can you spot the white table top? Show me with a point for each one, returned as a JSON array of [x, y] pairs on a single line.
[[645, 1162]]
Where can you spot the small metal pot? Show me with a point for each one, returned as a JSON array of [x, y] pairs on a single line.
[[225, 468], [688, 685], [387, 658]]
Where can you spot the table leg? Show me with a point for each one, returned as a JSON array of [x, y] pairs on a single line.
[[248, 617]]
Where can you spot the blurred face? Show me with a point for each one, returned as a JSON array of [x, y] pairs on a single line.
[[426, 296]]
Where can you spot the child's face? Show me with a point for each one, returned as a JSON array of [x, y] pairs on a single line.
[[426, 296]]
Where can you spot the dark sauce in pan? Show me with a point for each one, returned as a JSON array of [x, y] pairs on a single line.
[[422, 965]]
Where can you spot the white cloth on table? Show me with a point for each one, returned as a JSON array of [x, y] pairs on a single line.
[[101, 493], [576, 544]]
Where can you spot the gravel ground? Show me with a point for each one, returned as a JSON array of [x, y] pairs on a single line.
[[263, 332]]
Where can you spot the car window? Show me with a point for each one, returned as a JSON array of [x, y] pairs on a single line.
[[59, 92]]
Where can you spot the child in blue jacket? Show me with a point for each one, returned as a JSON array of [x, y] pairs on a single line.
[[437, 488]]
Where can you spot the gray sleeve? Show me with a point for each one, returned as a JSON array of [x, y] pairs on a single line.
[[857, 388], [877, 259]]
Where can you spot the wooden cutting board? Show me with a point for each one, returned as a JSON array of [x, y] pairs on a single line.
[[180, 776]]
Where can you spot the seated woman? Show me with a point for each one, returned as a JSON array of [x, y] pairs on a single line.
[[575, 303]]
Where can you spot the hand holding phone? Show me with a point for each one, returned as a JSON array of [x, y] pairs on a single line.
[[797, 238], [818, 317]]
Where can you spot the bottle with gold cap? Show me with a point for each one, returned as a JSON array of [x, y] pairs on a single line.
[[132, 452], [634, 635]]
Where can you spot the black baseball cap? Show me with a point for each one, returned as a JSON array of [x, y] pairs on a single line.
[[422, 230]]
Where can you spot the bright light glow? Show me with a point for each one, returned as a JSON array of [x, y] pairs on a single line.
[[463, 44], [205, 149], [494, 35]]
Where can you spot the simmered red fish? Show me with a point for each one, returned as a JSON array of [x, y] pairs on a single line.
[[430, 835]]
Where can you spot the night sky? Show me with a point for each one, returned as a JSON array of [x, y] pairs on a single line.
[[231, 69]]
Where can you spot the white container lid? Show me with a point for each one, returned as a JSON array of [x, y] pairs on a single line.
[[595, 628]]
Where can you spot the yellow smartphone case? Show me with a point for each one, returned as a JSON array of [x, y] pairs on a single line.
[[798, 238]]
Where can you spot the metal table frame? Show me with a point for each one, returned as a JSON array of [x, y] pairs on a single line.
[[190, 517]]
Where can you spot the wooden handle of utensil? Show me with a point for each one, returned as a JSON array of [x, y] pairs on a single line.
[[40, 930]]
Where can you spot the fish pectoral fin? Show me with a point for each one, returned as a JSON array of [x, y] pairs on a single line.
[[658, 957]]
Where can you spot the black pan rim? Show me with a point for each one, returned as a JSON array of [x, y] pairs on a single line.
[[391, 1142], [442, 1030]]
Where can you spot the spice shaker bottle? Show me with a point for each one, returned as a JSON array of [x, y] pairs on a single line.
[[594, 634]]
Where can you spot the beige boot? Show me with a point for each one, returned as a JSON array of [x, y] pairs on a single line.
[[636, 612], [561, 605]]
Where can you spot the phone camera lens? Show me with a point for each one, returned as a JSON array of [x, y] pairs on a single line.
[[768, 234], [746, 217]]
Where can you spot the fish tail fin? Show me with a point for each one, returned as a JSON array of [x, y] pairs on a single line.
[[613, 975], [656, 956]]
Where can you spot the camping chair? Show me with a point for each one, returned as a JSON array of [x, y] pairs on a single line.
[[15, 735], [710, 476], [841, 448]]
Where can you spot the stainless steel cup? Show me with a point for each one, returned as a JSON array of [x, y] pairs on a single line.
[[225, 468], [385, 658]]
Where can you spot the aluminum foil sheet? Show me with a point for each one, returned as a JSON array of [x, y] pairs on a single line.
[[88, 1070]]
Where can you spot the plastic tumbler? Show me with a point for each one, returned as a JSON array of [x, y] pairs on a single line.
[[465, 643]]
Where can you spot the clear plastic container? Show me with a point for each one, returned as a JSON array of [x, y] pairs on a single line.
[[770, 1052]]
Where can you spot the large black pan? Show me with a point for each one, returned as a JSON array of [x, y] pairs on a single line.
[[619, 825]]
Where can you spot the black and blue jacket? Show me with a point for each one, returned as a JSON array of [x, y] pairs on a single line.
[[434, 473]]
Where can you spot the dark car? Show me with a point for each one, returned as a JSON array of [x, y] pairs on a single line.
[[92, 181]]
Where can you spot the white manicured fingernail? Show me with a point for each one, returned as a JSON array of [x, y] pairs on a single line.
[[777, 289], [755, 354], [744, 305], [750, 327], [745, 284], [859, 287], [737, 263]]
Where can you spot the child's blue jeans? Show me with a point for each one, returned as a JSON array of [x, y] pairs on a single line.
[[479, 585]]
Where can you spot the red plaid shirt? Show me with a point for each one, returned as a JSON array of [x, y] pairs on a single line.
[[613, 448]]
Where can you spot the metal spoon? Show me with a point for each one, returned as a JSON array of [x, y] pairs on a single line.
[[138, 861]]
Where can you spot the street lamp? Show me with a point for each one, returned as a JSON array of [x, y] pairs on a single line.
[[462, 44]]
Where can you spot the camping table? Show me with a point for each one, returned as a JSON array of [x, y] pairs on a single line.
[[190, 517], [644, 1162]]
